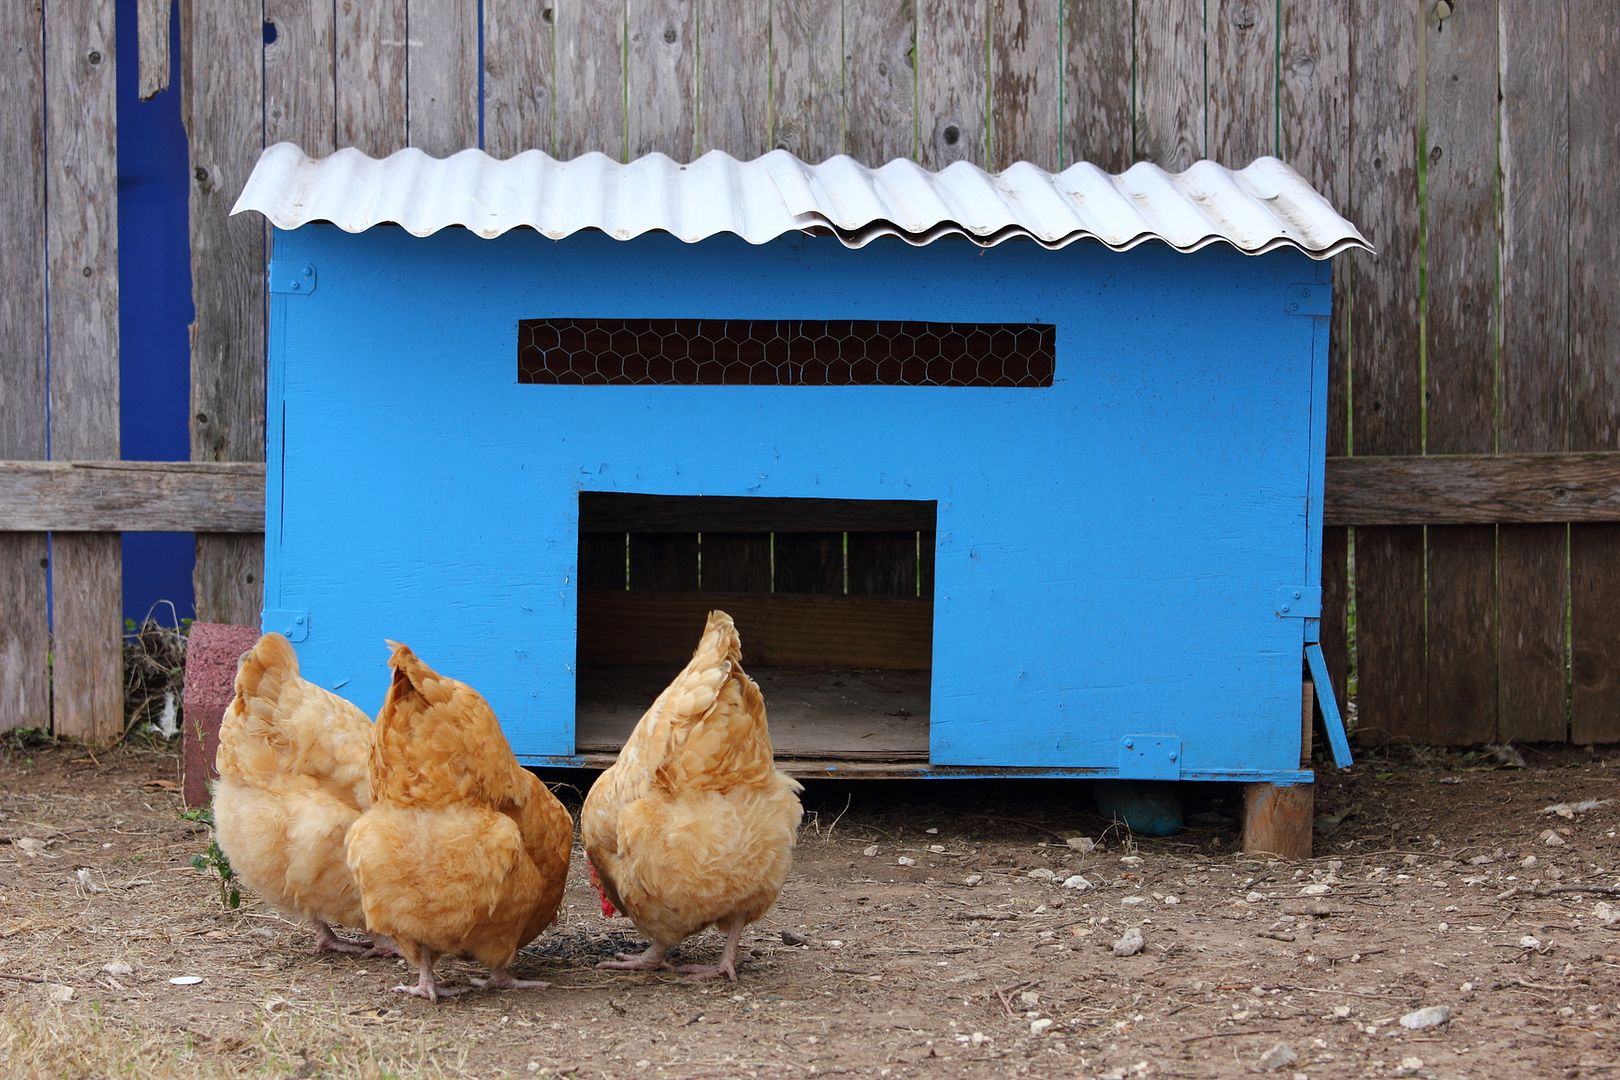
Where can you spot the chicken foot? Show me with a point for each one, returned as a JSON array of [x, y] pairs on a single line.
[[642, 961], [381, 945], [327, 941], [426, 985], [728, 958], [502, 979]]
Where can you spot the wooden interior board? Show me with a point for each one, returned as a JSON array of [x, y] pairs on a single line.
[[816, 713], [1594, 422], [224, 108], [1170, 103], [1314, 128], [1460, 389], [300, 89], [736, 562], [25, 692], [1098, 119], [603, 512], [807, 78], [661, 77], [442, 75], [808, 562], [370, 76], [952, 123], [633, 628], [519, 69], [663, 562], [734, 78], [1026, 82], [883, 564], [81, 186], [590, 78], [602, 561], [152, 36], [1533, 407], [926, 555], [1242, 79], [880, 85], [1382, 198]]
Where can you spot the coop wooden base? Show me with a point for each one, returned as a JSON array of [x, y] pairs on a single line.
[[841, 714], [1277, 820]]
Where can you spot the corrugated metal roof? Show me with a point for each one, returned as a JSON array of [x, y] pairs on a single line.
[[1256, 209]]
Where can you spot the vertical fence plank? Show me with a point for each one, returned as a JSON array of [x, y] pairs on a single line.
[[807, 77], [1461, 301], [809, 563], [736, 562], [224, 104], [1383, 294], [880, 85], [664, 562], [661, 77], [590, 77], [1026, 82], [1532, 578], [951, 120], [441, 75], [1097, 116], [81, 198], [1594, 422], [734, 73], [152, 36], [25, 692], [519, 76], [1170, 82], [1314, 129], [370, 75], [300, 95], [1242, 68]]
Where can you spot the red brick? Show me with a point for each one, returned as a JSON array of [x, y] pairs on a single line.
[[212, 652]]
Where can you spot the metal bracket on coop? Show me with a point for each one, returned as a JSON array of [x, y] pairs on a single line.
[[1298, 602], [1315, 300], [292, 278], [292, 625], [1150, 757]]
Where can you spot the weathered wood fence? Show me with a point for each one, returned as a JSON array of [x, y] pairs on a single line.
[[1476, 390]]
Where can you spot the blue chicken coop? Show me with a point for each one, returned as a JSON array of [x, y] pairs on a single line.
[[998, 474]]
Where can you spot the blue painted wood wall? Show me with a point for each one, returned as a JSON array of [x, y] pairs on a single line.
[[1110, 549]]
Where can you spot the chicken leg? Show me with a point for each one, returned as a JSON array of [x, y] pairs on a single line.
[[326, 940], [426, 985], [642, 961], [728, 958], [503, 979]]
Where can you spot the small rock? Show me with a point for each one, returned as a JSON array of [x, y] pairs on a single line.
[[86, 882], [1551, 838], [1081, 844], [1041, 873], [1172, 901], [871, 850], [932, 831], [1341, 1012], [1279, 1056], [972, 880], [1409, 860], [1529, 862], [1029, 999], [264, 932], [1076, 882], [1606, 912], [28, 845], [1255, 897], [1132, 900], [1040, 1027], [117, 968], [1316, 889], [61, 994], [1130, 943], [1409, 1066], [1422, 1019], [790, 938], [1529, 942], [1130, 860], [936, 847], [906, 860]]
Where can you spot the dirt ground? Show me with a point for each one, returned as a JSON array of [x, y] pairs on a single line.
[[926, 932]]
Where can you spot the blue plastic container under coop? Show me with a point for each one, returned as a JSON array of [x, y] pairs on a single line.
[[999, 475]]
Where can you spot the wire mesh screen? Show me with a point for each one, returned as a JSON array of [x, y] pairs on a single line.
[[783, 352]]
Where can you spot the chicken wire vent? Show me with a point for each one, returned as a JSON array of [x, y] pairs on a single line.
[[784, 352]]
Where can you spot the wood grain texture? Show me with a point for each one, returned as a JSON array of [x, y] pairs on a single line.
[[661, 78], [622, 628], [152, 41], [1170, 105], [520, 63], [590, 78], [807, 78], [1473, 489], [300, 91], [1098, 120], [602, 512], [1382, 198], [736, 562], [1594, 419], [1314, 129], [25, 692], [1533, 405], [1026, 82], [81, 198], [882, 564], [132, 496], [1460, 390], [370, 75], [224, 107], [1278, 820], [808, 562], [1242, 73], [734, 75], [951, 82], [602, 561], [441, 73], [880, 86], [663, 562]]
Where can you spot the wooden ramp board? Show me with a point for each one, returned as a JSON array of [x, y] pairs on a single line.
[[841, 714]]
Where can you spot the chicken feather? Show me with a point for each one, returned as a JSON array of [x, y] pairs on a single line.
[[693, 826], [462, 852]]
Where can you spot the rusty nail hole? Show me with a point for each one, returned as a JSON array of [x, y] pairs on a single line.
[[670, 35], [202, 418], [953, 134], [94, 57]]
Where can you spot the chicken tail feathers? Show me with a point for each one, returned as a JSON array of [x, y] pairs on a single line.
[[716, 735]]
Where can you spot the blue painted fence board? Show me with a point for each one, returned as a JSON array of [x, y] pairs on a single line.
[[1109, 548]]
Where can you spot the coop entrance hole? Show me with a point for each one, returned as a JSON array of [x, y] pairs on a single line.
[[833, 599]]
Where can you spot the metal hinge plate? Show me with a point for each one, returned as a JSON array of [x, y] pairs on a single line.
[[1313, 299], [1298, 602], [292, 278], [1150, 757], [290, 624]]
